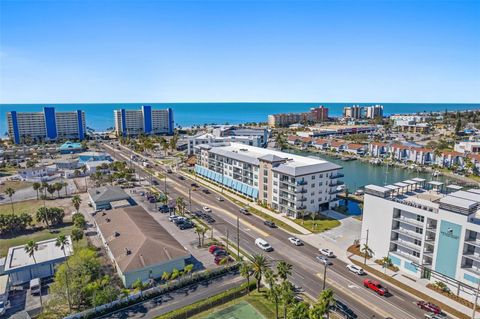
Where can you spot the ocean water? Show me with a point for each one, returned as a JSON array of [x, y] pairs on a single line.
[[100, 116]]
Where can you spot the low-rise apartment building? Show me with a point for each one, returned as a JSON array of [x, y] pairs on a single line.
[[470, 146], [49, 125], [285, 182], [146, 121], [315, 115], [426, 232], [221, 134]]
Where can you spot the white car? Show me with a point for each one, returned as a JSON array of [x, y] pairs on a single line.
[[263, 244], [295, 241], [324, 260], [206, 209], [220, 199], [355, 269], [326, 252]]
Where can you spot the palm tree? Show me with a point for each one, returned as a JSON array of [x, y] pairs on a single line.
[[10, 191], [188, 269], [367, 252], [200, 231], [51, 189], [259, 265], [286, 296], [173, 142], [58, 187], [180, 205], [164, 145], [165, 276], [327, 299], [36, 186], [317, 311], [65, 186], [76, 201], [299, 310], [274, 290], [77, 234], [30, 248], [62, 242], [84, 171], [284, 270], [386, 262], [246, 272]]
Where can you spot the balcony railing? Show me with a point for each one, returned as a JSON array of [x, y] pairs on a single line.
[[335, 191], [302, 199], [301, 190], [409, 233], [409, 221], [302, 182], [407, 244], [301, 207], [336, 183], [338, 175]]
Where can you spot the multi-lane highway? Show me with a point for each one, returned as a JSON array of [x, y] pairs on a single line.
[[307, 271]]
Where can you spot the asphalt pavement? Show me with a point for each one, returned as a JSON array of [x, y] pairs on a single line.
[[307, 271]]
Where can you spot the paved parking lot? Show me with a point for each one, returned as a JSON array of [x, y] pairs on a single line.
[[187, 238]]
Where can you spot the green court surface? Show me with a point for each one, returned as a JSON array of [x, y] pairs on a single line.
[[242, 310]]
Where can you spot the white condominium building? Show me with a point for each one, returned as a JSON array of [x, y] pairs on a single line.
[[48, 125], [285, 182], [144, 121], [426, 232]]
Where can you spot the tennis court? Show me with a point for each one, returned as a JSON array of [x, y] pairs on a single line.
[[242, 310]]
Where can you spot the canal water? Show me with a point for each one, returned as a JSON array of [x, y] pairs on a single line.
[[359, 173]]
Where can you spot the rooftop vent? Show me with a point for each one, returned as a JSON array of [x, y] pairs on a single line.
[[116, 233], [107, 220], [128, 251]]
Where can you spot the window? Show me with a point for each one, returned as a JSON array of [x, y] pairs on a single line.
[[265, 187], [265, 196], [313, 177], [275, 175], [418, 230], [265, 172], [275, 183], [320, 184], [275, 198], [312, 201], [420, 218], [312, 185], [417, 242], [312, 193], [416, 254], [321, 175], [275, 190]]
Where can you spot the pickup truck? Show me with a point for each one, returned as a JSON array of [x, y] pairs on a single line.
[[375, 286]]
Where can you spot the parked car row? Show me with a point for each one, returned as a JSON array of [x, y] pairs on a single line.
[[220, 254], [181, 222]]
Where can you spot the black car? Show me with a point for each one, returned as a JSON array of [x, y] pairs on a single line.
[[181, 220], [269, 224], [186, 225], [206, 191], [244, 211], [199, 214], [209, 220], [220, 252], [343, 309], [164, 209], [155, 182], [194, 185], [181, 178]]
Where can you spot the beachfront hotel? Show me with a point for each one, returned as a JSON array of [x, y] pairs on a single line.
[[428, 230], [144, 121], [48, 125], [315, 115], [287, 183]]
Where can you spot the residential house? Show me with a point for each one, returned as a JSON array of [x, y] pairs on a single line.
[[449, 159], [338, 146], [378, 149], [322, 144], [357, 149]]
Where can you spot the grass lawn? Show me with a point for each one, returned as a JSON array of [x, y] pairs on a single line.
[[7, 171], [16, 185], [43, 234], [320, 224], [31, 206]]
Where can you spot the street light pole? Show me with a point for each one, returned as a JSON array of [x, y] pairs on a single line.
[[190, 198]]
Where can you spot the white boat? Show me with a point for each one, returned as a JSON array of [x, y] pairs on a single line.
[[436, 174]]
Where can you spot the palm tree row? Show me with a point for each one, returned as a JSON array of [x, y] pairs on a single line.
[[281, 291], [50, 188]]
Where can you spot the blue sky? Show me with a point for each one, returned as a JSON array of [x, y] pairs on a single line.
[[286, 51]]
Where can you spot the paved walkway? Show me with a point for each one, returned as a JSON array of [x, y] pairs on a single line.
[[278, 216]]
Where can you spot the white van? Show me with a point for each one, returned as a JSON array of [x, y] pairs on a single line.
[[262, 244], [35, 286]]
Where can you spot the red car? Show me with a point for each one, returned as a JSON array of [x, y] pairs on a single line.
[[428, 306], [212, 248], [375, 286]]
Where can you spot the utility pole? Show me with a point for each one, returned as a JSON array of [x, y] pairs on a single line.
[[476, 299], [324, 276], [190, 198], [366, 251], [165, 184], [238, 237]]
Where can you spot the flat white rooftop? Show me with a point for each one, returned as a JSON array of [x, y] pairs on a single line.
[[291, 164], [47, 251]]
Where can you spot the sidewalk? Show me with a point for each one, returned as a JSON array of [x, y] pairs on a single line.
[[254, 205], [414, 283]]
